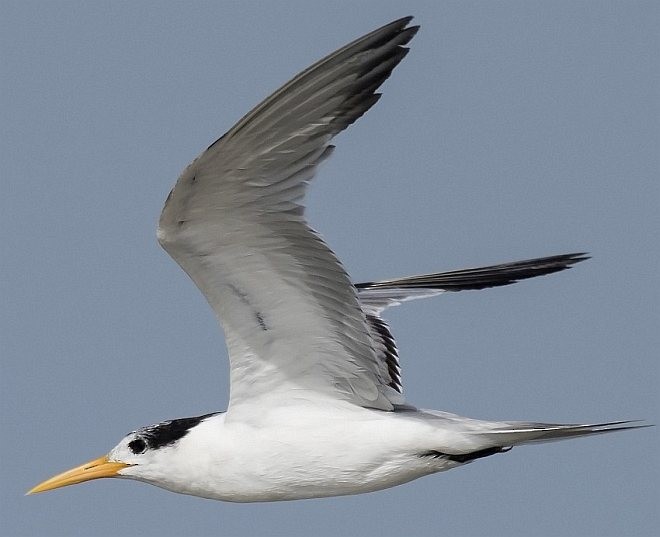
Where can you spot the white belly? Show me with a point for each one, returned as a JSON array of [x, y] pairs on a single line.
[[295, 457]]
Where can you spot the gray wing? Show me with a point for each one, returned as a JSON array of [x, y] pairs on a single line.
[[377, 296], [235, 223]]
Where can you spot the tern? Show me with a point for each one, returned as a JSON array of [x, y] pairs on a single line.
[[316, 405]]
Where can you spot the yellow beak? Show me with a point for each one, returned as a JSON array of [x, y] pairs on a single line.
[[101, 467]]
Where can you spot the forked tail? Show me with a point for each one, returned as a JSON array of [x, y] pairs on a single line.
[[501, 437], [518, 433]]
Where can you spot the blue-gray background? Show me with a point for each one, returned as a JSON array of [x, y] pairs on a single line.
[[512, 130]]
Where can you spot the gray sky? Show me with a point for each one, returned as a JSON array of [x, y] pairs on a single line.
[[511, 130]]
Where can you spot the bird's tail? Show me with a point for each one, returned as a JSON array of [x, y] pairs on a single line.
[[518, 433], [485, 438]]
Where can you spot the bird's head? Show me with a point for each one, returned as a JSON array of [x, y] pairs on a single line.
[[145, 454]]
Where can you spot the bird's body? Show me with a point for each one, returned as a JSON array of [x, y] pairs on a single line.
[[323, 448], [317, 406], [312, 450], [306, 451]]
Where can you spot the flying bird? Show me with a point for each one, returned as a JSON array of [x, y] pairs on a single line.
[[317, 405]]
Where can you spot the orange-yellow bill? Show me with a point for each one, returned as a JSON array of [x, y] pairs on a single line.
[[101, 467]]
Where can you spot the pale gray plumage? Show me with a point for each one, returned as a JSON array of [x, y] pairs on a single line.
[[237, 209]]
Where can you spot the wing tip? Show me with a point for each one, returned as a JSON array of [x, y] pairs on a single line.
[[485, 277]]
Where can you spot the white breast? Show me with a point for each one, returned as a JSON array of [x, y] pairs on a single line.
[[287, 456]]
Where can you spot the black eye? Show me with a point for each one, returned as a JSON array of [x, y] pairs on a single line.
[[137, 446]]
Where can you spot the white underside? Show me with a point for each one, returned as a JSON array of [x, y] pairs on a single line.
[[289, 454], [325, 448]]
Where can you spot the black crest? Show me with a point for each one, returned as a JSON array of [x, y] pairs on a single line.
[[168, 432]]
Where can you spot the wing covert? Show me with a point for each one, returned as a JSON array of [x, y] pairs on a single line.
[[235, 223]]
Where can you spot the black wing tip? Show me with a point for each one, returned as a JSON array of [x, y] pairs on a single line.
[[380, 52], [485, 277], [398, 27], [557, 259], [407, 33], [569, 259], [411, 31], [553, 263], [400, 23]]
